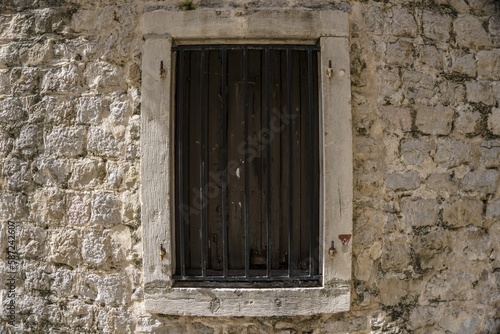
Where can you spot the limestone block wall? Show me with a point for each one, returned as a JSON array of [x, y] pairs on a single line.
[[426, 131]]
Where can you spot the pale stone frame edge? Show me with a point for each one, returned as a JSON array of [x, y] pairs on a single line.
[[156, 169]]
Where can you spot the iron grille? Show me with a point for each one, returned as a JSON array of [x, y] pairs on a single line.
[[247, 166]]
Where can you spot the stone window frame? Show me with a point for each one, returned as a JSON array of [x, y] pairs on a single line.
[[162, 29]]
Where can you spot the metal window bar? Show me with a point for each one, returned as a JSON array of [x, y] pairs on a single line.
[[188, 273], [225, 263]]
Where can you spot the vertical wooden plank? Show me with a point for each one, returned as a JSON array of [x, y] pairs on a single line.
[[277, 128], [235, 138], [296, 192], [214, 164], [305, 163], [315, 183], [336, 155], [155, 182], [254, 158], [194, 153], [181, 214]]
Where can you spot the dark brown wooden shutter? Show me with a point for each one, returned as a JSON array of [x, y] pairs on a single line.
[[247, 164]]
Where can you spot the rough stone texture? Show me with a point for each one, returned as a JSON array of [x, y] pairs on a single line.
[[494, 121], [436, 120], [426, 138]]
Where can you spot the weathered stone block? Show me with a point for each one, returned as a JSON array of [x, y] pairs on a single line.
[[104, 143], [339, 325], [6, 143], [402, 181], [53, 110], [62, 281], [463, 63], [13, 206], [113, 290], [68, 142], [49, 171], [65, 247], [403, 23], [120, 110], [494, 121], [395, 254], [105, 77], [451, 93], [66, 78], [28, 143], [488, 65], [389, 85], [25, 80], [96, 248], [441, 182], [459, 321], [50, 20], [393, 291], [436, 26], [114, 320], [37, 279], [480, 92], [490, 154], [11, 110], [37, 54], [86, 173], [5, 87], [78, 212], [432, 250], [415, 151], [49, 206], [87, 285], [18, 174], [463, 212], [423, 316], [450, 286], [95, 19], [115, 174], [430, 57], [105, 210], [91, 109], [420, 212], [374, 18], [396, 118], [452, 152], [484, 181], [469, 32], [493, 209], [419, 86], [434, 120], [120, 240], [32, 241], [9, 54], [467, 122], [400, 53]]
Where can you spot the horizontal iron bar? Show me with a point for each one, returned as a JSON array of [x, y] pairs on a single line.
[[248, 279], [243, 46]]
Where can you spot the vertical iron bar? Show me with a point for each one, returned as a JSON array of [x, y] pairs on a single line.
[[180, 162], [224, 162], [246, 163], [267, 89], [203, 218], [290, 158], [312, 222]]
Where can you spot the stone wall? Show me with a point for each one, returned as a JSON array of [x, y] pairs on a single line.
[[426, 124]]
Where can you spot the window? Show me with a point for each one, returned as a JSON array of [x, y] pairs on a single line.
[[294, 201], [246, 165]]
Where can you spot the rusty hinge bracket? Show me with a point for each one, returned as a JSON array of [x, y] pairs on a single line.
[[163, 73], [162, 252]]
